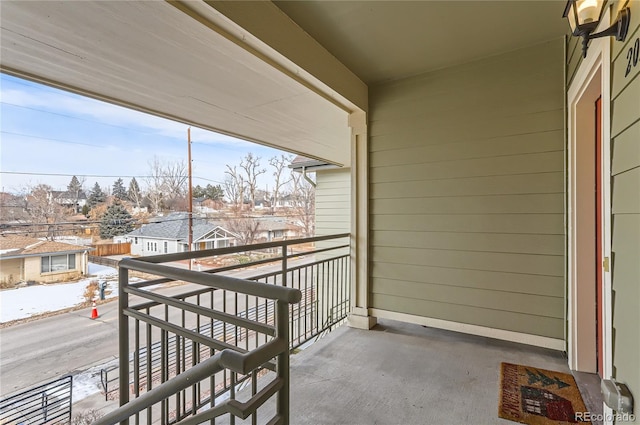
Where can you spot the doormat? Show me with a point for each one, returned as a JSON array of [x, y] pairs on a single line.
[[539, 397]]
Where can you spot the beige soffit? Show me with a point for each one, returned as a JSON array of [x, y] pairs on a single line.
[[154, 57]]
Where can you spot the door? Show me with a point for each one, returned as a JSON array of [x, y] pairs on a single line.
[[598, 233]]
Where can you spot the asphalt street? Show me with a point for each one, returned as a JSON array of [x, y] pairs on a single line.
[[44, 349]]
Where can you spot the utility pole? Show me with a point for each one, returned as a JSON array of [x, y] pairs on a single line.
[[190, 195]]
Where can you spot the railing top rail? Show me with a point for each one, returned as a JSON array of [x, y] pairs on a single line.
[[262, 290], [165, 258]]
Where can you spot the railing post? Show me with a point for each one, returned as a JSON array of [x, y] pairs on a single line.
[[45, 404], [282, 332], [285, 255], [123, 343]]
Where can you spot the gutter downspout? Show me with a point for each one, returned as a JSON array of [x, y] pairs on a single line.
[[307, 178]]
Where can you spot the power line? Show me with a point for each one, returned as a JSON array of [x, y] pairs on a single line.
[[44, 111], [29, 173], [79, 175], [147, 133], [51, 139]]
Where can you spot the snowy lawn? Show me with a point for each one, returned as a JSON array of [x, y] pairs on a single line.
[[32, 300]]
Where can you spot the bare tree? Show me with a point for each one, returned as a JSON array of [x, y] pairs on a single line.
[[234, 187], [155, 184], [134, 194], [246, 228], [167, 183], [176, 177], [44, 211], [279, 164], [251, 166], [303, 195]]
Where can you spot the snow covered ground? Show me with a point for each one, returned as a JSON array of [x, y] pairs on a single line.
[[32, 300]]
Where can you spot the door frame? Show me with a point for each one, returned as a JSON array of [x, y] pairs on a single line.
[[592, 79]]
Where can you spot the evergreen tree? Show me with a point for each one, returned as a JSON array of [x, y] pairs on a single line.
[[96, 196], [74, 188], [134, 194], [213, 192], [209, 192], [116, 221], [119, 192], [74, 185], [198, 192]]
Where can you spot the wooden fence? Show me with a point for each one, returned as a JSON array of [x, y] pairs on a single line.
[[104, 250], [109, 262]]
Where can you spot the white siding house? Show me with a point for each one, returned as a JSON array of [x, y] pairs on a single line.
[[170, 234]]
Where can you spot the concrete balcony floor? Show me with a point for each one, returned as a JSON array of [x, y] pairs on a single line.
[[399, 373]]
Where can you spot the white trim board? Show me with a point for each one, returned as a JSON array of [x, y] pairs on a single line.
[[594, 69], [536, 340]]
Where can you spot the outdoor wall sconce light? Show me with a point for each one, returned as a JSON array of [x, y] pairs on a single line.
[[584, 17]]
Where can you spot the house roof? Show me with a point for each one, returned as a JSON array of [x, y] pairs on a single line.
[[175, 227], [65, 194], [16, 246], [309, 164], [274, 223]]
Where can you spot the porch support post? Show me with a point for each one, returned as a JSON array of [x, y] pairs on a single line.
[[359, 316]]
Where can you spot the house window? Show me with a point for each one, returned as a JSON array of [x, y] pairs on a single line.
[[135, 241], [57, 263], [166, 247]]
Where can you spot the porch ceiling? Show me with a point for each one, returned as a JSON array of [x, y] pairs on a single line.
[[388, 40], [154, 57]]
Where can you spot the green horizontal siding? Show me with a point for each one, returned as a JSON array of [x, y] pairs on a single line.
[[481, 242], [625, 284], [492, 318], [551, 286], [333, 211], [574, 57], [522, 144], [467, 193], [626, 150], [494, 204], [543, 224], [625, 106]]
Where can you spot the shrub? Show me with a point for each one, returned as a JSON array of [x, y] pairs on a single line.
[[90, 291], [86, 417]]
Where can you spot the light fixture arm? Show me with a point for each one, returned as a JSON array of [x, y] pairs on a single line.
[[618, 30]]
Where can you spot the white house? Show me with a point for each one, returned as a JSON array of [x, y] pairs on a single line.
[[170, 234], [273, 228]]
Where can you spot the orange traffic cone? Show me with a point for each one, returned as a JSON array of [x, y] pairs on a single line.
[[94, 311]]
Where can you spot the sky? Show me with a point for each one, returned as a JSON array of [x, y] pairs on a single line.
[[48, 135]]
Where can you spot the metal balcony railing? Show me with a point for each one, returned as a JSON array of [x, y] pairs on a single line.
[[183, 358], [49, 403]]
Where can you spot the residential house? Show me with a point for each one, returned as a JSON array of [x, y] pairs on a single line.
[[12, 208], [170, 234], [24, 259], [274, 228], [207, 206], [70, 199], [332, 197], [473, 135], [285, 201]]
